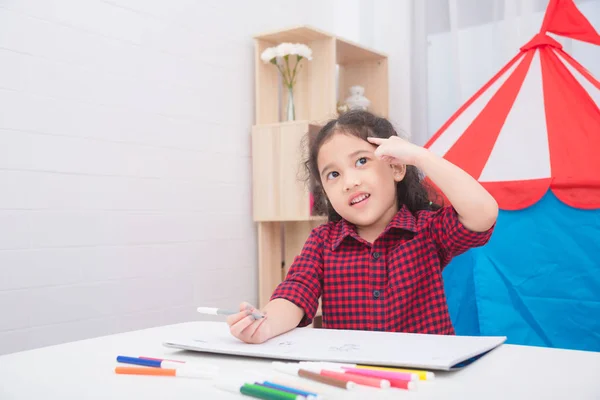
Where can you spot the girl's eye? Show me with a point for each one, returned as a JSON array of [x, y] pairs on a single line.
[[361, 161], [332, 175]]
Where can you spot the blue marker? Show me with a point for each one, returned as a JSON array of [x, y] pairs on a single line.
[[149, 363], [289, 389], [156, 363]]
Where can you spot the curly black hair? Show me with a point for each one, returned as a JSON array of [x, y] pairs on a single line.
[[412, 191]]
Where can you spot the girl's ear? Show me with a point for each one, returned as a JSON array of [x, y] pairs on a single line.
[[399, 172]]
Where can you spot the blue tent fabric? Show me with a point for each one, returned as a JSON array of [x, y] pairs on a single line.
[[537, 281]]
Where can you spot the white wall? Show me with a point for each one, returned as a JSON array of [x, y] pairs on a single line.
[[392, 25], [384, 25], [125, 197]]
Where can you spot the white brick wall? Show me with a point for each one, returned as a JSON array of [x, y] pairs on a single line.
[[125, 197], [125, 191]]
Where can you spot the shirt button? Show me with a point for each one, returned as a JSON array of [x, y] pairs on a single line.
[[376, 294], [376, 255]]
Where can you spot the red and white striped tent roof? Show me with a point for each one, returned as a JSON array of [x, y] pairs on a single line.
[[535, 125]]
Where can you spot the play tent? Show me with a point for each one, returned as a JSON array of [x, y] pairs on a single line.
[[531, 136]]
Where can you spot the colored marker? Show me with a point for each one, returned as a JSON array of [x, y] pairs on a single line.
[[422, 375], [382, 374], [397, 380], [149, 363], [179, 372], [220, 311], [288, 389], [359, 380], [367, 372], [340, 373], [179, 363], [317, 377], [394, 382], [161, 359], [257, 391], [262, 379], [160, 363]]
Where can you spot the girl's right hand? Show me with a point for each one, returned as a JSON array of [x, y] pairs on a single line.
[[245, 327]]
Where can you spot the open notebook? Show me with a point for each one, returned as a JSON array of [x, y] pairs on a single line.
[[434, 352]]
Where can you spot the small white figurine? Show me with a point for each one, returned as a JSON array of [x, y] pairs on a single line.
[[357, 100]]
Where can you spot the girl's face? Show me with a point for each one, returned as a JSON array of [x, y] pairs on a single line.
[[360, 187]]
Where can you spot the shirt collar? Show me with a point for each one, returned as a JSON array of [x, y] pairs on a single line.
[[402, 220]]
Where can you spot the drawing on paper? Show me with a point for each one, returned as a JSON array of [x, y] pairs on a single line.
[[345, 348]]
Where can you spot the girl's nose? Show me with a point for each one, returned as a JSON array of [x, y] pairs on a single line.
[[351, 182]]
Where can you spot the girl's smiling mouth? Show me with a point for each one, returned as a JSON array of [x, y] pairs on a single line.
[[359, 198]]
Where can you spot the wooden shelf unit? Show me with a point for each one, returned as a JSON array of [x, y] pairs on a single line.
[[281, 198], [279, 184], [316, 93]]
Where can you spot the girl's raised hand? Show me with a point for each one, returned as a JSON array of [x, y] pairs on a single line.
[[397, 151], [245, 327]]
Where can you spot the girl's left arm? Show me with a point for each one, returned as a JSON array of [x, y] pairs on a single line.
[[477, 210]]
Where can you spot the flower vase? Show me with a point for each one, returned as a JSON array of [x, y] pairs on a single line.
[[291, 110]]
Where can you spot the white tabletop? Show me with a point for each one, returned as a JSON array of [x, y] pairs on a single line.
[[85, 370]]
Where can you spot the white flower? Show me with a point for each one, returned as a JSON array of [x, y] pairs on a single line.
[[303, 50], [295, 49], [284, 49], [268, 54], [287, 68]]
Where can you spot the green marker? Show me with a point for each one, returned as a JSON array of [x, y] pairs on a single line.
[[262, 392], [258, 391]]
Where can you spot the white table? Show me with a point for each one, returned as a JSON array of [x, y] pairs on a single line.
[[85, 370]]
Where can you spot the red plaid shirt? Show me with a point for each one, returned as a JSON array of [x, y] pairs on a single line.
[[394, 284]]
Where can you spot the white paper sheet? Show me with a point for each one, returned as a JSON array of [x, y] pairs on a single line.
[[435, 352]]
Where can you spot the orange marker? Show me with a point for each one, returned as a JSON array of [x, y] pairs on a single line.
[[179, 372]]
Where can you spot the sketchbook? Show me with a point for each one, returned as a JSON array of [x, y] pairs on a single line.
[[409, 350]]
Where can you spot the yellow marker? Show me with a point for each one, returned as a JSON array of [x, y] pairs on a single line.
[[423, 375]]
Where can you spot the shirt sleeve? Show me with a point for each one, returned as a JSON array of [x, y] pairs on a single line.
[[303, 283], [451, 237]]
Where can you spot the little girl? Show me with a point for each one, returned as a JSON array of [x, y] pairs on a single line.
[[377, 263]]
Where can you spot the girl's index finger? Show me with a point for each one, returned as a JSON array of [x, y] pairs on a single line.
[[375, 140]]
